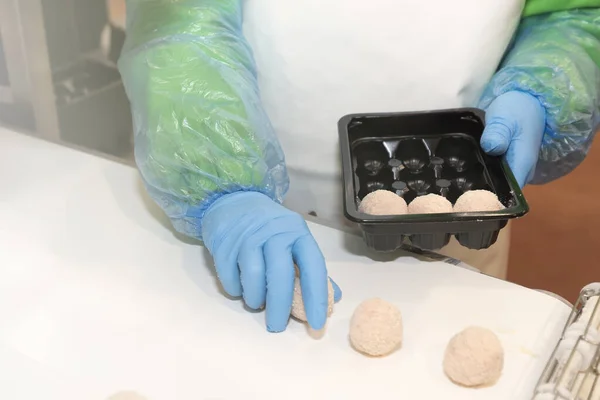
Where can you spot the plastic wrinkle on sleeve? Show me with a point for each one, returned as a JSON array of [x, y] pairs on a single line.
[[200, 129], [556, 57]]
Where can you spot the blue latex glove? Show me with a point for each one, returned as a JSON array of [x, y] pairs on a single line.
[[254, 242], [515, 123]]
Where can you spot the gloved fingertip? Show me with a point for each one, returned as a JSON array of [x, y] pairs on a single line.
[[494, 145], [521, 169], [277, 326], [232, 289], [254, 304], [274, 330], [494, 148], [254, 294], [521, 179], [316, 310], [495, 139], [317, 319], [529, 177], [337, 292]]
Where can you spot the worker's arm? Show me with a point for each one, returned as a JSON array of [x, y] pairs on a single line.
[[555, 58], [208, 154], [200, 130]]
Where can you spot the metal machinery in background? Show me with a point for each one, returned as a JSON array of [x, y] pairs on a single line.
[[57, 81], [573, 370]]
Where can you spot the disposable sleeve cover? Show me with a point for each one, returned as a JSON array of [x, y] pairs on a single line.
[[200, 129], [556, 57]]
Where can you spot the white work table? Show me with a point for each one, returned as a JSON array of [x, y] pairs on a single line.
[[98, 296]]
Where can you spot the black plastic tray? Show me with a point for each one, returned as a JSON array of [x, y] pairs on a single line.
[[418, 153]]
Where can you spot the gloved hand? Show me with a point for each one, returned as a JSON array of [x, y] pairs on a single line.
[[515, 123], [254, 242]]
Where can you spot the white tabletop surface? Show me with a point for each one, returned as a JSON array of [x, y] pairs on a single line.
[[98, 296]]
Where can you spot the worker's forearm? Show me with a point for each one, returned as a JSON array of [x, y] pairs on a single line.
[[200, 130], [556, 57], [148, 20]]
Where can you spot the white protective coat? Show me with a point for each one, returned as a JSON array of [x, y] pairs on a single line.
[[319, 60]]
